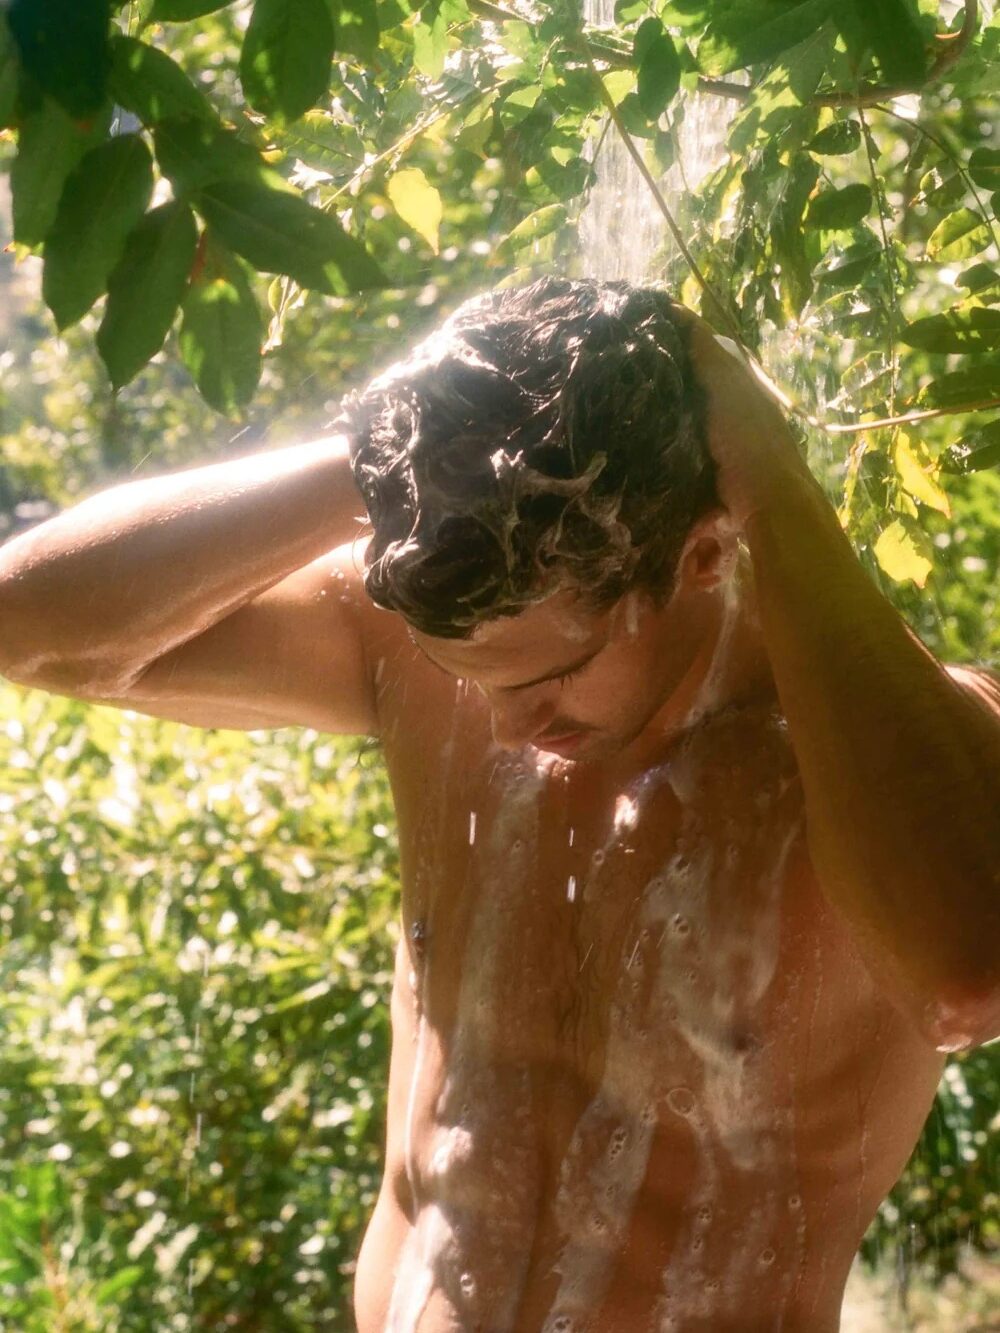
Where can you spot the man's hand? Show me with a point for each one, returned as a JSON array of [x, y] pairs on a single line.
[[748, 434]]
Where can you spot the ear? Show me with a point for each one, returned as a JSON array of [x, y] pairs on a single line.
[[710, 552]]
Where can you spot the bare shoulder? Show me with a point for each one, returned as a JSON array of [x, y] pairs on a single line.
[[983, 683]]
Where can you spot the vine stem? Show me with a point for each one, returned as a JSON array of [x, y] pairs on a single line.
[[890, 262]]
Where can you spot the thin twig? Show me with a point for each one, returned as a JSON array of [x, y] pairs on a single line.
[[890, 263], [970, 184]]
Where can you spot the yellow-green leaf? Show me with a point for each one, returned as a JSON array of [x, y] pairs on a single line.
[[900, 556], [417, 202], [959, 236], [918, 478]]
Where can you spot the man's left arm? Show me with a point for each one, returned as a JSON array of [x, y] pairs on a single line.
[[899, 755], [900, 764]]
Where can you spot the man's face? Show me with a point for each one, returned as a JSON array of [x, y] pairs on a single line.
[[570, 681]]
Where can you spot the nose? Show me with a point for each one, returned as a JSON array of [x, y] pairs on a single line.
[[516, 722]]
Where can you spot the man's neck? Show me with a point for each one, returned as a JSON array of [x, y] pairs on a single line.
[[729, 669]]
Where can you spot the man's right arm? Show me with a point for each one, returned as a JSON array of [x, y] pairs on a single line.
[[216, 596]]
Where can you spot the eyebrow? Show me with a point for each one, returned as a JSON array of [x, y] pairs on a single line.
[[527, 684]]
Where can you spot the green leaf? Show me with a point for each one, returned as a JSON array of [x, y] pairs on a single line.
[[745, 33], [281, 233], [356, 28], [180, 10], [64, 47], [893, 31], [838, 139], [124, 1280], [902, 551], [430, 43], [286, 55], [9, 75], [976, 452], [959, 236], [971, 331], [962, 388], [837, 209], [145, 290], [984, 167], [417, 202], [659, 68], [978, 278], [147, 82], [50, 144], [103, 198], [194, 153], [918, 477], [222, 331], [536, 225]]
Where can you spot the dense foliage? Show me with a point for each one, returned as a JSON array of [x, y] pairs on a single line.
[[197, 927]]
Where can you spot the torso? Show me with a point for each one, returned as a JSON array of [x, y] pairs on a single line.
[[641, 1081]]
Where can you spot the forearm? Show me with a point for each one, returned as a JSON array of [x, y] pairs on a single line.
[[98, 592], [900, 768]]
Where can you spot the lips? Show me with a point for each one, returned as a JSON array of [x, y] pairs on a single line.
[[563, 744]]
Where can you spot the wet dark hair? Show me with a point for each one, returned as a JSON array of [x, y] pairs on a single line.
[[543, 437]]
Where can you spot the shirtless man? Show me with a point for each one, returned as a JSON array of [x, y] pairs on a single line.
[[699, 843]]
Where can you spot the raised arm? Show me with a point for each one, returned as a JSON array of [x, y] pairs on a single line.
[[214, 595]]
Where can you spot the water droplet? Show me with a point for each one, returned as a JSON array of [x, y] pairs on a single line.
[[598, 857], [647, 1116], [767, 1257], [696, 1244], [681, 1101], [795, 1202], [680, 925], [467, 1284], [704, 1215]]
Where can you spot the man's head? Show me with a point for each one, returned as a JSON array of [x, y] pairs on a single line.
[[540, 456]]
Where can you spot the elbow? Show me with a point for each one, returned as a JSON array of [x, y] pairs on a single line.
[[964, 1015]]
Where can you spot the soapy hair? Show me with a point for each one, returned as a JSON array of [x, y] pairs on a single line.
[[543, 437]]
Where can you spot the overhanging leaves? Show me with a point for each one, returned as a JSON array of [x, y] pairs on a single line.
[[64, 47], [975, 452], [743, 33], [356, 27], [417, 202], [50, 144], [973, 330], [838, 209], [147, 82], [286, 55], [893, 31], [222, 331], [194, 154], [145, 290], [177, 10], [104, 196], [281, 233], [960, 235], [659, 68]]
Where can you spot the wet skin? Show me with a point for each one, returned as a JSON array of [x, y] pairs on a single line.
[[641, 1078]]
